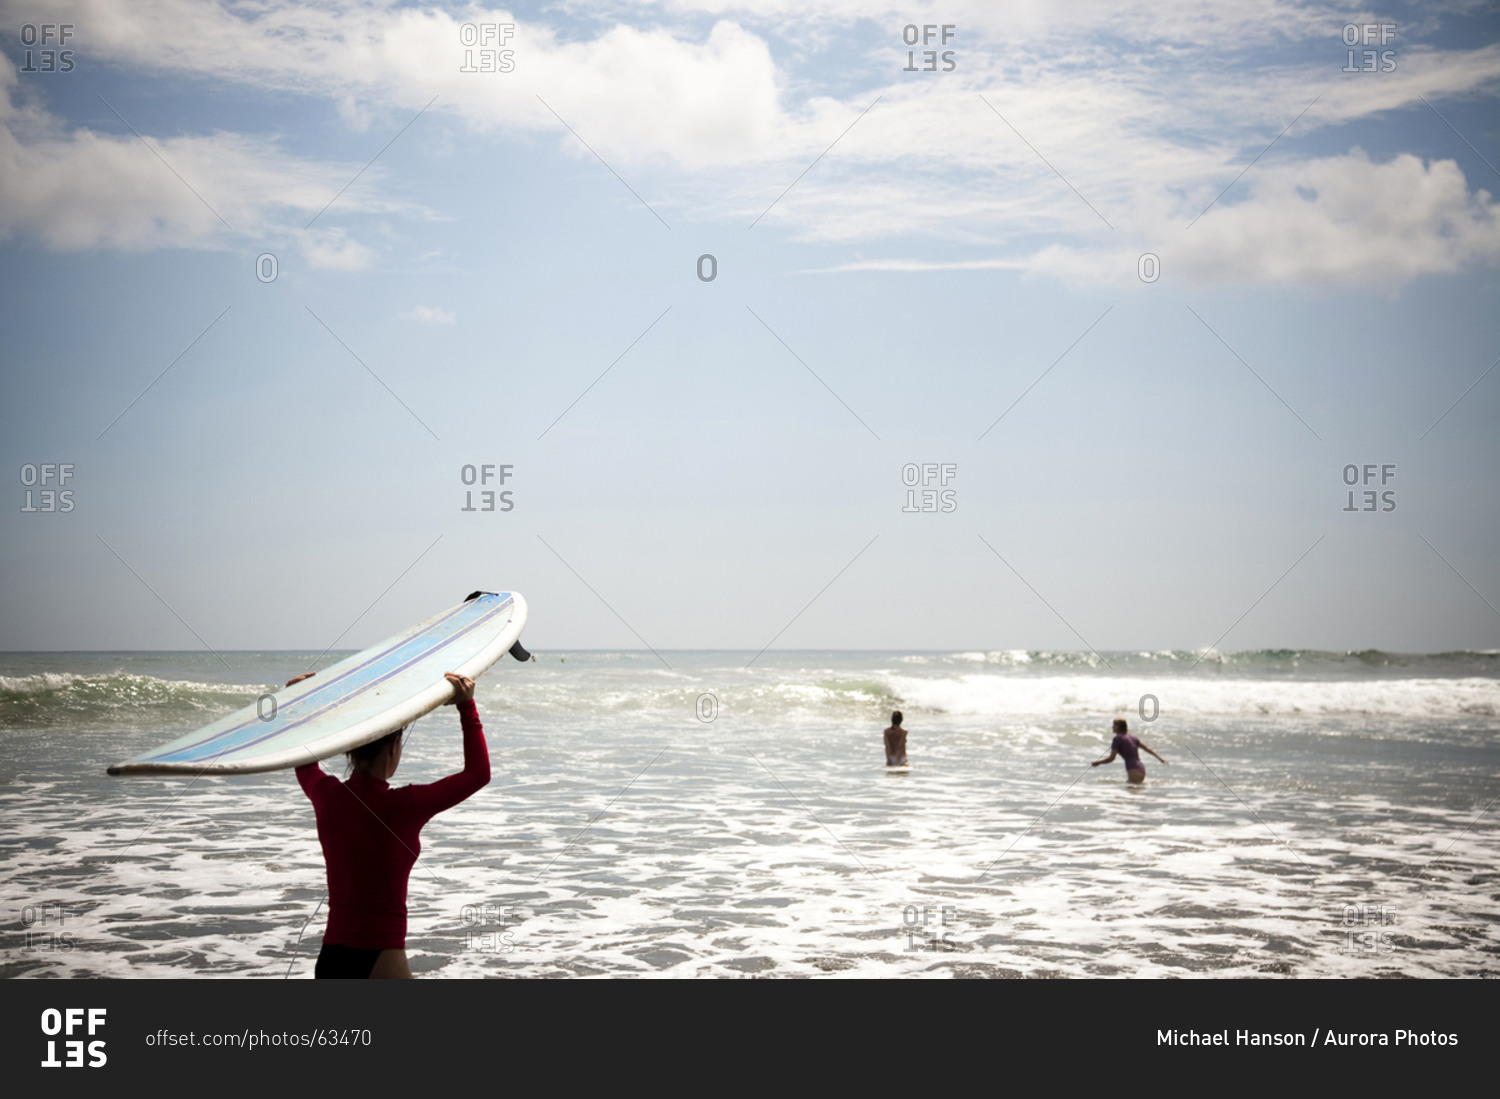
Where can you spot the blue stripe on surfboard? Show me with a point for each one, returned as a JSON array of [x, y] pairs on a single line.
[[396, 659]]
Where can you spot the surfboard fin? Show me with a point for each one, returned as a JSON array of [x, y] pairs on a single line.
[[519, 653]]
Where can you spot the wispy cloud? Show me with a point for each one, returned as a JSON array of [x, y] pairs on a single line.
[[76, 189], [428, 314]]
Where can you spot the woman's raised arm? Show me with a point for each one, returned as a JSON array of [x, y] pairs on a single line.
[[432, 798]]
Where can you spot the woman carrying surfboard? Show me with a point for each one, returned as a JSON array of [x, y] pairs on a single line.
[[370, 837]]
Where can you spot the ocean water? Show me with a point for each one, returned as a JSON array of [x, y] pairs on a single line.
[[1323, 814]]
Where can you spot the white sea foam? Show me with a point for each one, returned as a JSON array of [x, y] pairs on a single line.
[[622, 835], [42, 681], [707, 866], [1008, 696]]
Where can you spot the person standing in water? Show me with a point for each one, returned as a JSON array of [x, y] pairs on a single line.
[[370, 837], [1126, 744], [895, 742]]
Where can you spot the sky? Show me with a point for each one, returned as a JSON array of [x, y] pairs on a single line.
[[1143, 286]]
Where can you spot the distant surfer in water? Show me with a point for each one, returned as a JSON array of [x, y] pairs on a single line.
[[1129, 745], [895, 742], [369, 834]]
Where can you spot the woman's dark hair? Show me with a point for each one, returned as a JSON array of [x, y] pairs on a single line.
[[895, 717], [368, 753], [1121, 726]]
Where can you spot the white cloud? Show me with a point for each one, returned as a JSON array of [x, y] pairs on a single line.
[[429, 314], [356, 114], [1340, 220], [1346, 220], [712, 119], [79, 189], [1331, 220], [334, 250]]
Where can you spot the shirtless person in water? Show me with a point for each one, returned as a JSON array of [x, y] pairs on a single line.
[[895, 742]]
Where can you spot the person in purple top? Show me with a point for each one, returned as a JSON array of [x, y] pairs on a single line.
[[1128, 745]]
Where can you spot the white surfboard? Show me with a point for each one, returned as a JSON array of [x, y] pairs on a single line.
[[355, 701]]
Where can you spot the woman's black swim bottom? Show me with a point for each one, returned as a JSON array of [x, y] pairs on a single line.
[[345, 962]]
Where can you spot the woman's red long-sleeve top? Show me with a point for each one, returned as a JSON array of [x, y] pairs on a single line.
[[369, 834]]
